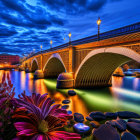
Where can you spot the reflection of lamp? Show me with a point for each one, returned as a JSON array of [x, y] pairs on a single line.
[[98, 23], [69, 38], [51, 43]]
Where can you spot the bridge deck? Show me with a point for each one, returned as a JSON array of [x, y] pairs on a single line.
[[123, 34]]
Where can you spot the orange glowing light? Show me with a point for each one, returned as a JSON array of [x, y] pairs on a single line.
[[69, 34], [98, 21]]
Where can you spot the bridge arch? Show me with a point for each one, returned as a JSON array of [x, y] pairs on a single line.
[[34, 65], [54, 66], [98, 66]]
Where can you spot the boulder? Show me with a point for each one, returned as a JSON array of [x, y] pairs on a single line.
[[89, 118], [106, 132], [69, 112], [65, 101], [133, 127], [78, 117], [134, 120], [94, 124], [120, 125], [128, 136], [127, 115], [112, 123], [97, 116], [65, 107], [110, 115], [71, 92], [81, 128]]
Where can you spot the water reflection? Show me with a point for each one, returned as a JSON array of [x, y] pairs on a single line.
[[123, 95]]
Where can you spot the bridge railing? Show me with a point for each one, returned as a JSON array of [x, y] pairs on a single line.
[[109, 34]]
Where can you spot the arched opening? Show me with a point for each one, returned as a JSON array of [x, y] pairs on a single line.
[[53, 68], [98, 66], [34, 66]]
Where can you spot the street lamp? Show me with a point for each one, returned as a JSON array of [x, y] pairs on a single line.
[[69, 38], [41, 48], [98, 23], [33, 50], [51, 43]]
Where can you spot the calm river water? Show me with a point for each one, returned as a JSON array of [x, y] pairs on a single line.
[[123, 95]]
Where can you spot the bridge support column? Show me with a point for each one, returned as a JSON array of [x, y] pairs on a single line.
[[38, 74], [28, 70], [65, 80]]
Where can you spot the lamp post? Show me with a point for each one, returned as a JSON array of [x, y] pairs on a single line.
[[33, 51], [69, 38], [51, 43], [98, 23], [41, 48]]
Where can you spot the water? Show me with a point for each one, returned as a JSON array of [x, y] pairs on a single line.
[[123, 95]]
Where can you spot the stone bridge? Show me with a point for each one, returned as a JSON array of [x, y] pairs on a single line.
[[88, 62]]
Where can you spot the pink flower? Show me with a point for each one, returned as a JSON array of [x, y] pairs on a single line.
[[42, 119]]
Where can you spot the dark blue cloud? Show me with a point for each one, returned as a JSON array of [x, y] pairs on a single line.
[[75, 6], [7, 32], [27, 24]]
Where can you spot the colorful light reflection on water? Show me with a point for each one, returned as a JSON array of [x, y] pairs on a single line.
[[123, 95]]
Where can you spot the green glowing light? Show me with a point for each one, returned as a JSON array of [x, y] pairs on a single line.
[[101, 100], [51, 84]]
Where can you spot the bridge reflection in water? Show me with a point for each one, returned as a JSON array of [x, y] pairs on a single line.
[[123, 95]]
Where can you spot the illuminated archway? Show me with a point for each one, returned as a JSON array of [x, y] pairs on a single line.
[[34, 65], [98, 66], [54, 66]]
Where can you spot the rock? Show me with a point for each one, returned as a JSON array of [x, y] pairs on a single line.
[[128, 136], [97, 116], [112, 123], [133, 127], [69, 112], [71, 92], [120, 125], [134, 120], [78, 117], [127, 115], [65, 101], [110, 115], [81, 128], [106, 132], [89, 118], [65, 107], [94, 124]]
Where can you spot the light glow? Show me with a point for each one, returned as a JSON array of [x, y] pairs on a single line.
[[98, 21], [125, 92]]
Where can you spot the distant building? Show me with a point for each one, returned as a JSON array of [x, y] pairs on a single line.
[[10, 59]]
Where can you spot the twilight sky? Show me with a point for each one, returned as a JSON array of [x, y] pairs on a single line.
[[26, 24]]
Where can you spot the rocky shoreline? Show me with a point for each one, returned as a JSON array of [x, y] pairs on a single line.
[[122, 125]]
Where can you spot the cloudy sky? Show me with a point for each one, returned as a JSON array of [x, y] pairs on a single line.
[[26, 24]]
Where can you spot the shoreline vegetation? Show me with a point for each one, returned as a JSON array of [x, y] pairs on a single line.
[[37, 117]]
